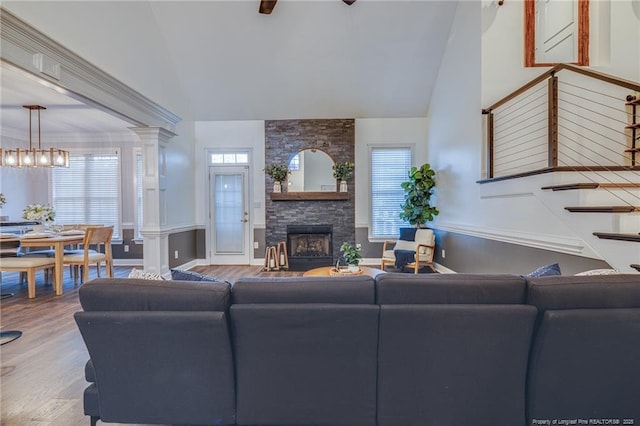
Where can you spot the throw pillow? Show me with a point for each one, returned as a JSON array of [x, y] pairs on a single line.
[[600, 272], [553, 269], [177, 274], [408, 234], [142, 275]]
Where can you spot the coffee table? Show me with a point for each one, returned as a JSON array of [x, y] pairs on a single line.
[[324, 272]]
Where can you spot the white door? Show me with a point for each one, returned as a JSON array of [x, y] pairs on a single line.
[[229, 215], [556, 31]]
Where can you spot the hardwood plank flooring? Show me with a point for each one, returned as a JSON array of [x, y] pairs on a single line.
[[42, 372]]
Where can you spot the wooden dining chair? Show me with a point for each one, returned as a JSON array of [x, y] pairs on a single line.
[[95, 236]]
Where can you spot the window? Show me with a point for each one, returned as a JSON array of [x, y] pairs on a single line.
[[139, 192], [88, 191], [389, 168], [229, 158]]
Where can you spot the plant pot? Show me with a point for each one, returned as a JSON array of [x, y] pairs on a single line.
[[343, 186], [37, 228], [353, 268], [277, 187]]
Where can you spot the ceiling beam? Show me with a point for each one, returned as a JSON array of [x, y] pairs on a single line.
[[266, 6]]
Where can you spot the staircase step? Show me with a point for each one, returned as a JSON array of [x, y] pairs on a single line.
[[570, 186], [603, 209], [632, 150], [633, 126], [633, 102], [591, 185], [619, 237], [635, 266]]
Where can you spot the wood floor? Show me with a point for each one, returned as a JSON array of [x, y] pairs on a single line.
[[42, 372]]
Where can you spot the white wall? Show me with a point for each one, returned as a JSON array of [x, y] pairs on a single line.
[[79, 26], [513, 211], [614, 45], [386, 132], [233, 135], [182, 200]]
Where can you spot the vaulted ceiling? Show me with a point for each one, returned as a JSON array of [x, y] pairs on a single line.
[[307, 59]]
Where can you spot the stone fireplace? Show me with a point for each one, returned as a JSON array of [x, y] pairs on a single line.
[[283, 140], [309, 246]]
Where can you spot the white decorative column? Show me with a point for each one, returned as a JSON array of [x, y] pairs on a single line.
[[154, 142]]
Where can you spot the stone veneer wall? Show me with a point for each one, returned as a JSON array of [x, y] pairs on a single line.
[[284, 139]]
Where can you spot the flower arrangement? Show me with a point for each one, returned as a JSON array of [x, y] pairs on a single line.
[[343, 171], [3, 200], [351, 254], [39, 212], [277, 171]]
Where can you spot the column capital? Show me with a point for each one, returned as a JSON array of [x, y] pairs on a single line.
[[156, 133]]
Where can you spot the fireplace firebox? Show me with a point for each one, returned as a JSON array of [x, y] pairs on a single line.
[[309, 246]]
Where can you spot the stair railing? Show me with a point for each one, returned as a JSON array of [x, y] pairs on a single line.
[[578, 122]]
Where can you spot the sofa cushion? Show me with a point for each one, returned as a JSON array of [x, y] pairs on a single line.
[[583, 292], [180, 275], [395, 288], [305, 364], [453, 364], [123, 294], [544, 271], [142, 275], [343, 290]]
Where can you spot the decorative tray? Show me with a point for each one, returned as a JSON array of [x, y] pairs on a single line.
[[343, 272]]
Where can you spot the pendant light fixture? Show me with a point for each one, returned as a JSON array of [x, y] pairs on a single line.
[[34, 157]]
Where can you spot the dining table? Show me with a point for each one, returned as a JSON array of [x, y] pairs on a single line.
[[56, 240]]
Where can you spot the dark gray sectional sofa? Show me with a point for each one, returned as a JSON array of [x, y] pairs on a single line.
[[400, 349]]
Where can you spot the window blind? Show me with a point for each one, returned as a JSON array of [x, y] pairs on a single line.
[[88, 192], [389, 168]]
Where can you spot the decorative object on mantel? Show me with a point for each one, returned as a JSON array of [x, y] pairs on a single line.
[[351, 255], [34, 157], [278, 172], [416, 208], [342, 172], [39, 213]]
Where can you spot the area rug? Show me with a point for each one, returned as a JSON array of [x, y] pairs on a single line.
[[9, 336]]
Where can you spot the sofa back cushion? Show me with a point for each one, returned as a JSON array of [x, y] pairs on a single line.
[[395, 288], [122, 294], [582, 292], [453, 364], [347, 290], [305, 363], [158, 367], [584, 363]]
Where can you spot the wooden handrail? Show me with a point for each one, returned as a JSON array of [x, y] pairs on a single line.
[[580, 70]]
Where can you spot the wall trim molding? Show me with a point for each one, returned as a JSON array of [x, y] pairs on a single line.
[[25, 48], [568, 245]]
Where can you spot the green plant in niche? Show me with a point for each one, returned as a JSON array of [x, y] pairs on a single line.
[[417, 208], [351, 254], [343, 171], [277, 171]]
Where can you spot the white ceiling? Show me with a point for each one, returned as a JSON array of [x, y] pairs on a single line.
[[308, 59]]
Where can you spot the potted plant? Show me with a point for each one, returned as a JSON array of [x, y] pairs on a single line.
[[278, 172], [39, 213], [417, 208], [351, 255], [342, 172]]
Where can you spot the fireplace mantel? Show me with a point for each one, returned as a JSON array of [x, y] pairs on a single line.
[[313, 196]]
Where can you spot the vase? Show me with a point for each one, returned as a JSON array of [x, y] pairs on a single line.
[[277, 187], [37, 228], [343, 186]]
